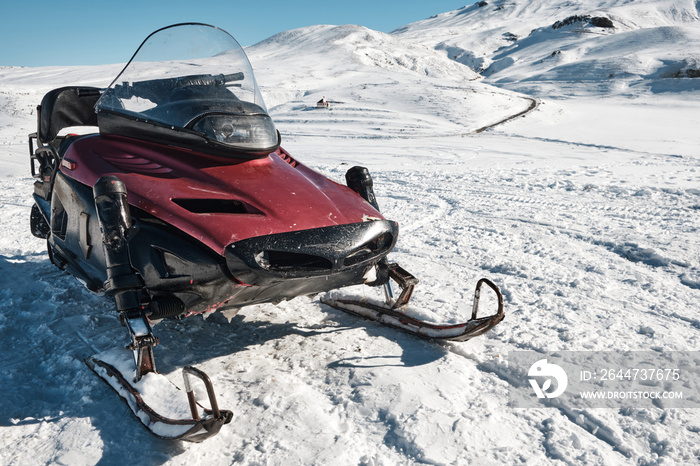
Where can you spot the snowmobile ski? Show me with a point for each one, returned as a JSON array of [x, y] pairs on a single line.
[[392, 315], [153, 395]]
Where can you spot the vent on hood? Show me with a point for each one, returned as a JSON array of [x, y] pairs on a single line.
[[132, 164], [216, 206], [288, 158]]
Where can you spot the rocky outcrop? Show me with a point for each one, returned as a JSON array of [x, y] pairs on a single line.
[[596, 21]]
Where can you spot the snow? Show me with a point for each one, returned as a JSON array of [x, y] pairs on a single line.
[[585, 212]]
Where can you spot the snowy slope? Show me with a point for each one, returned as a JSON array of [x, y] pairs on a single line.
[[527, 44], [378, 86], [585, 213]]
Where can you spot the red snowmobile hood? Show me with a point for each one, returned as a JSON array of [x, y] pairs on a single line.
[[217, 201]]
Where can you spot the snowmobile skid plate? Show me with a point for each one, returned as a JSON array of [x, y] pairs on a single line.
[[157, 402], [392, 315]]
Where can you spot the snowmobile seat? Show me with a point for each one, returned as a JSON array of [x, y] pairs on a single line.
[[60, 108], [64, 107]]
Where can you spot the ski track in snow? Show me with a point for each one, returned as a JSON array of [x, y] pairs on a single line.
[[585, 212]]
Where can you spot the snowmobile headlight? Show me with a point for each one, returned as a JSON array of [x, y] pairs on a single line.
[[252, 132]]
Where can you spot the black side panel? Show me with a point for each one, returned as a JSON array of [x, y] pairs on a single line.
[[171, 263], [76, 239]]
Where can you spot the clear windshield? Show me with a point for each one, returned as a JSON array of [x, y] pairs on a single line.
[[196, 77]]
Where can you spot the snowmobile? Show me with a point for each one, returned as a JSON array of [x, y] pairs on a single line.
[[169, 191]]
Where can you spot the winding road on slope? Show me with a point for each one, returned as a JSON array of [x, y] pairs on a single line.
[[534, 103]]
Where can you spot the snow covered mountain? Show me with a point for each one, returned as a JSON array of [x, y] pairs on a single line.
[[378, 86], [584, 212], [526, 44]]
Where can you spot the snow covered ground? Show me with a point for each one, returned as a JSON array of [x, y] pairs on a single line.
[[585, 212]]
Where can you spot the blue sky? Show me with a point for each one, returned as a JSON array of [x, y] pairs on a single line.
[[81, 32]]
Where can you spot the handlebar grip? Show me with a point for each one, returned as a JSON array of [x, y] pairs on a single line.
[[233, 77]]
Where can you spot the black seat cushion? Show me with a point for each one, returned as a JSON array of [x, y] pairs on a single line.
[[64, 107]]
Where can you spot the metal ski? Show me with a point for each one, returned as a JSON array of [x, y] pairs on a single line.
[[392, 315], [153, 395]]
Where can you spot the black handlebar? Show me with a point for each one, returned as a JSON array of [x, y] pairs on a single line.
[[157, 89], [207, 80]]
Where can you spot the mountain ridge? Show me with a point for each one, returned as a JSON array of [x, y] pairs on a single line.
[[516, 43]]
